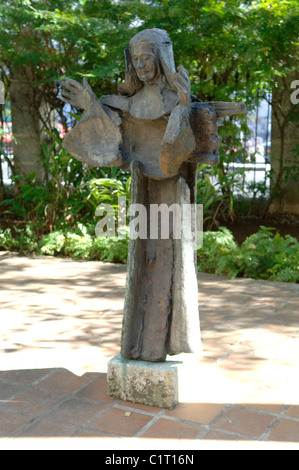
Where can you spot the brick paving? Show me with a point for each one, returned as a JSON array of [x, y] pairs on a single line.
[[61, 323]]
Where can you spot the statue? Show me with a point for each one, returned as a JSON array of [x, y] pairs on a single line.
[[159, 131]]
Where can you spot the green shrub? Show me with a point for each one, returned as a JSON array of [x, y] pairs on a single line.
[[263, 255], [80, 244], [113, 250], [52, 244], [77, 246], [218, 253], [7, 241], [25, 240]]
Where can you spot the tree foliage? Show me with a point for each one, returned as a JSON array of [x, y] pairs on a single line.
[[54, 38], [233, 49]]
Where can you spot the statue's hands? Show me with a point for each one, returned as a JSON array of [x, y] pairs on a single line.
[[181, 82], [77, 94]]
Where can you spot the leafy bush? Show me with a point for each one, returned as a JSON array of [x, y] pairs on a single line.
[[70, 193], [267, 256], [218, 252], [24, 240], [113, 250], [52, 244], [80, 244], [263, 255], [77, 244], [7, 241]]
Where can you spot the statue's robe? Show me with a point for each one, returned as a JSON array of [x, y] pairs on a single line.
[[161, 142]]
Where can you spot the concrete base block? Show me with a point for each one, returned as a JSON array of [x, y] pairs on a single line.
[[161, 384]]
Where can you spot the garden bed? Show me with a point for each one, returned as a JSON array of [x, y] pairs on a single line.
[[264, 254]]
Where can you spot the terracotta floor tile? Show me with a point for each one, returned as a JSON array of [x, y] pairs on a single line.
[[109, 348], [26, 376], [293, 411], [236, 371], [119, 422], [287, 318], [11, 422], [286, 431], [268, 407], [222, 436], [246, 422], [292, 305], [63, 381], [170, 429], [75, 411], [247, 358], [137, 406], [96, 390], [33, 402], [202, 413], [215, 349], [7, 390], [47, 429], [90, 433], [222, 334], [263, 299]]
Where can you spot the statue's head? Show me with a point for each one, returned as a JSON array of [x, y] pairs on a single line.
[[149, 59]]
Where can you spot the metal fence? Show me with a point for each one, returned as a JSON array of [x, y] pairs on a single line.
[[255, 170]]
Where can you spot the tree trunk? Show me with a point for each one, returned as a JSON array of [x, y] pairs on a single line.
[[26, 125], [284, 162]]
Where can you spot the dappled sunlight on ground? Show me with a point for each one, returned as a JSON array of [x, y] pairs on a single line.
[[61, 323]]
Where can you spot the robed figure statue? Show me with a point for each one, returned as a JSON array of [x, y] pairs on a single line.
[[158, 130]]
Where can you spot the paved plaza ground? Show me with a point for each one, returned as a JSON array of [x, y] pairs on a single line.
[[61, 323]]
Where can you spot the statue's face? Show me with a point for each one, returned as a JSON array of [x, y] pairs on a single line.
[[145, 62]]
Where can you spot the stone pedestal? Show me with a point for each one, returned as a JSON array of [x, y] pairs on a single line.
[[160, 384]]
